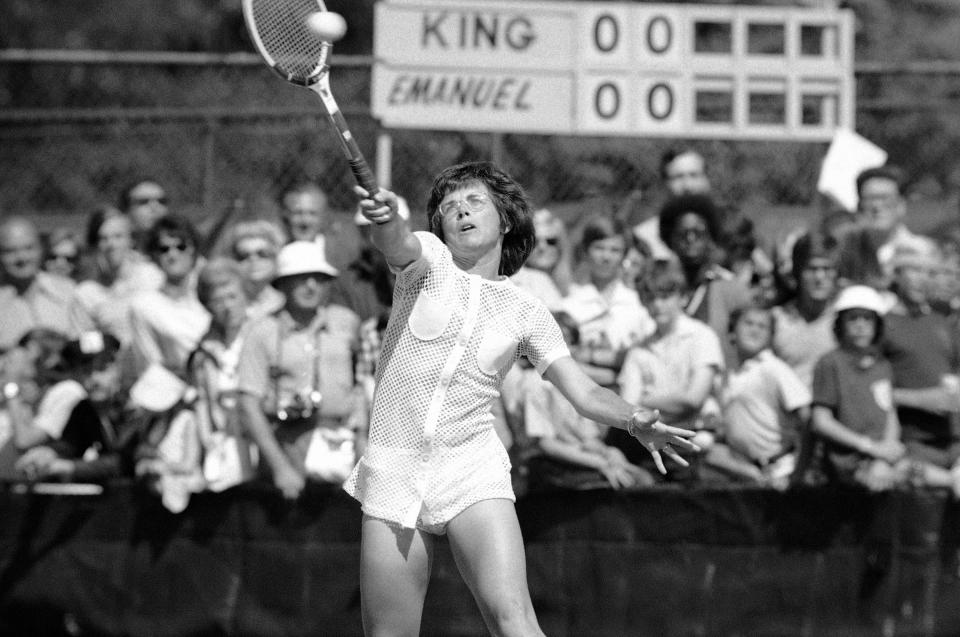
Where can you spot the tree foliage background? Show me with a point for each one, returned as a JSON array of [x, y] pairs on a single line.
[[912, 115]]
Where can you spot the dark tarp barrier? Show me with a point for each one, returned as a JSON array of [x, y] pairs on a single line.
[[664, 561]]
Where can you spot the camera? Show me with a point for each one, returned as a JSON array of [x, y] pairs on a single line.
[[300, 407]]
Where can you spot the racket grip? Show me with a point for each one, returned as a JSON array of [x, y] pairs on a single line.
[[361, 171]]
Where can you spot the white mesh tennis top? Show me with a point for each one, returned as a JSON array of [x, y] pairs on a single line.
[[451, 338]]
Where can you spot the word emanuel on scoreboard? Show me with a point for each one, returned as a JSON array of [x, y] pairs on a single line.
[[604, 68]]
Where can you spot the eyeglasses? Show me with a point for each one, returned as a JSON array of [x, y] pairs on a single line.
[[550, 241], [69, 258], [689, 233], [142, 201], [164, 248], [474, 202], [260, 254]]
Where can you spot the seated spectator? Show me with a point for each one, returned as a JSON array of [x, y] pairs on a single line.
[[167, 324], [924, 349], [764, 407], [254, 245], [37, 396], [31, 298], [97, 441], [61, 254], [675, 369], [690, 225], [298, 398], [547, 273], [853, 407], [144, 202], [572, 452], [804, 322], [118, 272], [607, 313]]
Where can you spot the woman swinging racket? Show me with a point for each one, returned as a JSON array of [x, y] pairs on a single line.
[[434, 464]]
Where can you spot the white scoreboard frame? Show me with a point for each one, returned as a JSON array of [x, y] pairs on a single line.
[[614, 69]]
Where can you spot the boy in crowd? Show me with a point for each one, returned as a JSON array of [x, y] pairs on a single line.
[[764, 405], [674, 369]]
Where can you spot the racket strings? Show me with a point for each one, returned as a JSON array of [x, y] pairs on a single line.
[[286, 38]]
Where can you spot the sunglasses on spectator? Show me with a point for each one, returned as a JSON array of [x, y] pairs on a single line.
[[689, 233], [180, 246], [69, 258], [260, 254], [142, 201], [474, 202], [550, 241]]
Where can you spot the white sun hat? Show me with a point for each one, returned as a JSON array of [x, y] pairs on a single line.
[[860, 297], [402, 209], [303, 257]]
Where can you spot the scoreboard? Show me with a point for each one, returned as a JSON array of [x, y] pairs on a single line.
[[613, 68]]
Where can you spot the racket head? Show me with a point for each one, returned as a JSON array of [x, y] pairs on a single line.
[[281, 36]]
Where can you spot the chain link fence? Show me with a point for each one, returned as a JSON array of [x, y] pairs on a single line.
[[221, 131]]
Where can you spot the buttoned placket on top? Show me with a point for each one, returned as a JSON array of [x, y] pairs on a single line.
[[438, 397]]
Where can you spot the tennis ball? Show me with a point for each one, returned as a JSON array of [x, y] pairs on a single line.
[[328, 26]]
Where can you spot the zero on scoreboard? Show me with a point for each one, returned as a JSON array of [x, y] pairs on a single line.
[[605, 68]]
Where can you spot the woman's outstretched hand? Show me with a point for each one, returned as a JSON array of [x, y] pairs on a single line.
[[660, 439]]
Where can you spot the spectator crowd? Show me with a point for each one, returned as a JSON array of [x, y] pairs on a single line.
[[142, 349]]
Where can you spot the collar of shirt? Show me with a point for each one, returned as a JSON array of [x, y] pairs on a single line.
[[288, 324], [762, 357]]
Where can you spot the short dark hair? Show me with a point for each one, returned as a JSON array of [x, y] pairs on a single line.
[[663, 277], [812, 245], [838, 326], [509, 199], [671, 154], [701, 205], [739, 313], [888, 171], [124, 200], [173, 225], [600, 226]]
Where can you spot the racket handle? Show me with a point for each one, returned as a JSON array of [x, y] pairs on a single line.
[[363, 175]]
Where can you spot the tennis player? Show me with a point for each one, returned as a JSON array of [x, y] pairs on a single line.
[[434, 464]]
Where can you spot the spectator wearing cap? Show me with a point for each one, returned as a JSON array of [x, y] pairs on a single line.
[[690, 225], [29, 297], [254, 245], [804, 323], [923, 348], [853, 410], [96, 442], [167, 324], [297, 396]]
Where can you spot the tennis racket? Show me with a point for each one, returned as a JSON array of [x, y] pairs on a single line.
[[279, 31]]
